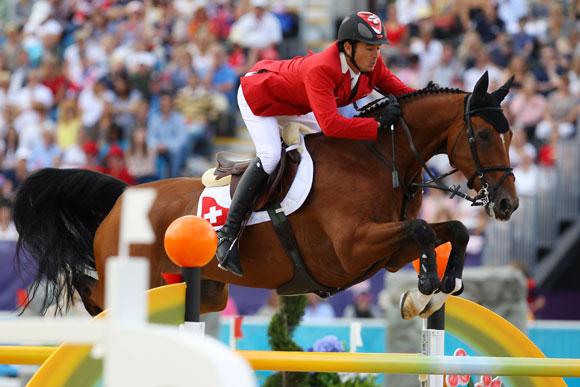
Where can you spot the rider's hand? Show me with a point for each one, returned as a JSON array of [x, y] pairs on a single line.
[[390, 113]]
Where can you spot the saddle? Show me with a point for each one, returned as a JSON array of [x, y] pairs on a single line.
[[231, 167], [278, 184]]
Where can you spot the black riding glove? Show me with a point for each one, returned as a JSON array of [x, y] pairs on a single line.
[[390, 113]]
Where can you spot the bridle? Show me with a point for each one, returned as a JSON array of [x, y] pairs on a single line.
[[486, 195]]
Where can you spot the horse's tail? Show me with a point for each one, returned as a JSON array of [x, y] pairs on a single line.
[[56, 213]]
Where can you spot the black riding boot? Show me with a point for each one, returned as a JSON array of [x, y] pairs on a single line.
[[242, 202]]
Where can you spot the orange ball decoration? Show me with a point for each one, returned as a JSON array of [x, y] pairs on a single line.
[[190, 241], [442, 256]]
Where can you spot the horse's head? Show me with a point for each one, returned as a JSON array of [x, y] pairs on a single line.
[[479, 149]]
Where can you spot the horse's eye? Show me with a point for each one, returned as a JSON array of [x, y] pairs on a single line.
[[484, 135]]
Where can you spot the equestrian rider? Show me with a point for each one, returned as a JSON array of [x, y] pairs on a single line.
[[308, 90]]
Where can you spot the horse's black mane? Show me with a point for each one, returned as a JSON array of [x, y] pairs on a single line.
[[372, 107]]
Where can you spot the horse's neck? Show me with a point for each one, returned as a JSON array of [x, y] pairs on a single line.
[[429, 119]]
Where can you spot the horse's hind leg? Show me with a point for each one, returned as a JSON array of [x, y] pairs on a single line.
[[214, 296], [456, 233]]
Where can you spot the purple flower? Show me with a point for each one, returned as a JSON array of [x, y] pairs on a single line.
[[328, 344]]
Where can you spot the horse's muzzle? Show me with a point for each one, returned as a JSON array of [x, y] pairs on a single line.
[[504, 206]]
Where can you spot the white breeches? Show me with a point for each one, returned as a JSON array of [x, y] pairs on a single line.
[[265, 132]]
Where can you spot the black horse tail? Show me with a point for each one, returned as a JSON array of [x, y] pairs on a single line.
[[56, 214]]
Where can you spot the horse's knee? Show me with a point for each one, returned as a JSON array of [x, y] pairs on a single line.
[[421, 232], [459, 232]]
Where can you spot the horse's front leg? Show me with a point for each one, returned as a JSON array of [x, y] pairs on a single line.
[[452, 284], [397, 244]]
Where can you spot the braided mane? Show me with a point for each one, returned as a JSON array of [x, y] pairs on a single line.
[[372, 107]]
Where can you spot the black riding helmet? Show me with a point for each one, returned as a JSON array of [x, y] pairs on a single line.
[[363, 27]]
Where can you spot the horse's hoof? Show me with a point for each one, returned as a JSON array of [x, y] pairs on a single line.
[[436, 302], [412, 303], [405, 313]]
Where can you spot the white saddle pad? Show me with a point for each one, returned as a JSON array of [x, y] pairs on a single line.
[[214, 202]]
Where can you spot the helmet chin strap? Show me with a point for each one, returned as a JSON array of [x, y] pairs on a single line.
[[351, 57]]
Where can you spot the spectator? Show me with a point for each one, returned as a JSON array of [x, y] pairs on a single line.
[[396, 31], [202, 54], [428, 49], [167, 134], [180, 68], [10, 145], [124, 104], [501, 50], [258, 31], [198, 106], [561, 114], [69, 124], [510, 12], [523, 42], [482, 64], [222, 77], [487, 23], [547, 72], [470, 45], [518, 68], [362, 307], [32, 124], [74, 156], [520, 147], [526, 174], [548, 154], [317, 308], [54, 79], [141, 158], [93, 102], [115, 165], [45, 154], [527, 108], [409, 12], [447, 72], [32, 92]]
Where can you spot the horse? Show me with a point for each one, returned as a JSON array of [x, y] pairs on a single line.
[[356, 220]]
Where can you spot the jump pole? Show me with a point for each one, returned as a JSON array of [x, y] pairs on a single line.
[[433, 344]]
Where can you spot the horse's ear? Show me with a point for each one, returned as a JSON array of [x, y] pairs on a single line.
[[500, 93], [481, 86]]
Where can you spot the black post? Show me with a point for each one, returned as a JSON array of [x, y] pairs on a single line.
[[192, 279], [437, 320]]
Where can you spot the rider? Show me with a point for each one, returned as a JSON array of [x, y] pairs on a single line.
[[308, 90]]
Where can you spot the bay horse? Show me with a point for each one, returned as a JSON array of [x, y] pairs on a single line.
[[354, 222]]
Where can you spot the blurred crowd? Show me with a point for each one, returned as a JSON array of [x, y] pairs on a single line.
[[136, 89], [140, 89]]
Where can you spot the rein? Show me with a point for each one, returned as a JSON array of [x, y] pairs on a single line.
[[486, 194]]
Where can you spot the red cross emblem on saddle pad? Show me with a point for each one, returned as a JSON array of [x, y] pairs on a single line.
[[211, 211]]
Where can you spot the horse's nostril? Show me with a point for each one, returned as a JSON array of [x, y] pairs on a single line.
[[505, 206]]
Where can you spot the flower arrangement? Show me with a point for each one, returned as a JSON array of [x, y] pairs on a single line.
[[280, 330], [465, 380]]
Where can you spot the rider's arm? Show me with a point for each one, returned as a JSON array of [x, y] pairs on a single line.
[[320, 86]]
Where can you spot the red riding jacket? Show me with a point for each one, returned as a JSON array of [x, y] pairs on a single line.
[[316, 83]]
